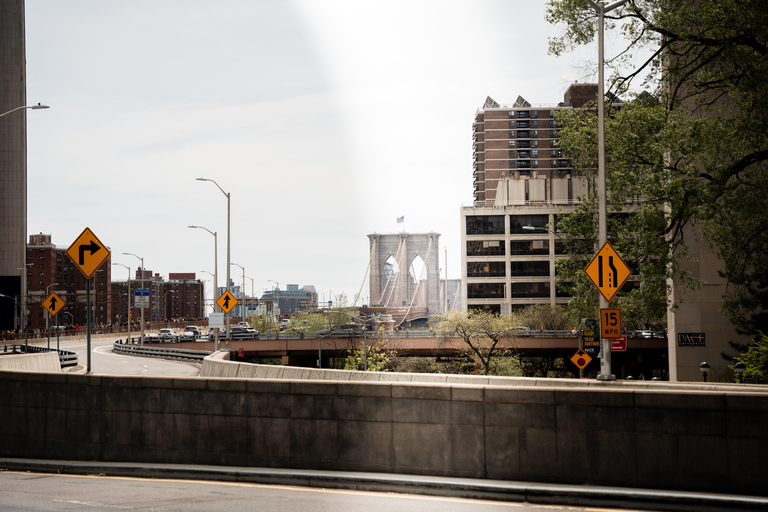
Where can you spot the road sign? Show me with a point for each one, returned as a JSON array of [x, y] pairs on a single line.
[[53, 303], [141, 298], [581, 359], [227, 301], [88, 253], [241, 352], [619, 344], [610, 323], [607, 271], [591, 343]]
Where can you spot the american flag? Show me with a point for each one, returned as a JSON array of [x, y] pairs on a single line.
[[401, 219]]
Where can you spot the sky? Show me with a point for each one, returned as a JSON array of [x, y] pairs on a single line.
[[325, 120]]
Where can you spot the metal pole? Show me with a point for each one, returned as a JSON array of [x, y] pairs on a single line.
[[229, 239], [57, 333], [141, 341], [88, 321], [601, 8]]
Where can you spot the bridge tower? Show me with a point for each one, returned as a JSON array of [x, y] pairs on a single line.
[[401, 288]]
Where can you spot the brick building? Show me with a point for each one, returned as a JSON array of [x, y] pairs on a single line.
[[178, 298]]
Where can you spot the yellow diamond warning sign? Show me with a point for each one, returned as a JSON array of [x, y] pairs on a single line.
[[88, 253], [53, 304], [227, 301], [607, 271], [581, 359]]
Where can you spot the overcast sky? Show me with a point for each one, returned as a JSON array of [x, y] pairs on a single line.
[[326, 120]]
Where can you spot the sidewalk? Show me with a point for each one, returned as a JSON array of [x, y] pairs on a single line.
[[508, 491]]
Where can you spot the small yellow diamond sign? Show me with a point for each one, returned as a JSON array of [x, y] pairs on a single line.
[[581, 359], [88, 253], [53, 304], [227, 301], [607, 271]]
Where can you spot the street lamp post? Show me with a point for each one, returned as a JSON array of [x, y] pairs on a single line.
[[276, 296], [48, 316], [228, 238], [129, 299], [215, 330], [33, 107], [165, 303], [242, 314], [704, 367], [601, 8], [740, 368], [141, 340], [215, 259]]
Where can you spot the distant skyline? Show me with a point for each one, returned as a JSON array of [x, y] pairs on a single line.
[[325, 120]]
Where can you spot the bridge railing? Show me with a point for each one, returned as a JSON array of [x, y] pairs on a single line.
[[66, 357], [169, 353]]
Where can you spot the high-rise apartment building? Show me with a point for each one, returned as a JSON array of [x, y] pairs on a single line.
[[521, 183]]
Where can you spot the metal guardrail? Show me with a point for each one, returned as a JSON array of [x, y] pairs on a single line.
[[66, 357], [167, 353]]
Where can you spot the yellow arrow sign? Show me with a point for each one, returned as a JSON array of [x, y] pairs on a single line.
[[53, 303], [607, 271], [88, 253], [227, 301], [581, 359]]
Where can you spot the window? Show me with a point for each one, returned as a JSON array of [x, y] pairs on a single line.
[[553, 133], [516, 223], [553, 153], [529, 247], [529, 268], [535, 164], [42, 274], [511, 144], [534, 134], [511, 134], [523, 134], [486, 269], [485, 248], [535, 153], [485, 290], [552, 123], [551, 113], [523, 124], [511, 164], [534, 113], [534, 143], [41, 282], [525, 290], [485, 225], [523, 154], [534, 123]]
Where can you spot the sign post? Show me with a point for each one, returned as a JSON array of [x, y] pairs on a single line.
[[53, 304], [88, 253], [227, 302], [608, 273]]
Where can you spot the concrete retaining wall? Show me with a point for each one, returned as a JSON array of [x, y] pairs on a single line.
[[39, 362], [659, 439]]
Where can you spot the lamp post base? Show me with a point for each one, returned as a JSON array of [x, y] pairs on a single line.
[[606, 377]]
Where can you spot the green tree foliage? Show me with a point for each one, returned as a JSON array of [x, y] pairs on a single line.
[[756, 360], [545, 316], [482, 332], [695, 149]]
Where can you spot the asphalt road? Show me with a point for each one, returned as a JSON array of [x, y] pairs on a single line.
[[105, 362], [45, 492]]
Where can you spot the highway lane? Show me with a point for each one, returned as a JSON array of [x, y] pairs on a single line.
[[26, 492], [106, 362]]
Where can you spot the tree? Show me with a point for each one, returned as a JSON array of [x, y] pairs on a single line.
[[545, 316], [482, 332], [756, 360], [379, 357], [694, 149]]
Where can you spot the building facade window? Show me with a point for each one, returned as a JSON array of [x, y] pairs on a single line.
[[485, 248], [485, 225]]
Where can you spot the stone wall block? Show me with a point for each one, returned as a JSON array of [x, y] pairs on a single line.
[[422, 448]]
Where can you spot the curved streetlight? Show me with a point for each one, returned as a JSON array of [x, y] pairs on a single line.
[[165, 303], [33, 107], [243, 290], [226, 194], [141, 340], [129, 299], [215, 259], [276, 295]]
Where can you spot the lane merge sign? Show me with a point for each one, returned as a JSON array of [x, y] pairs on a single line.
[[88, 253], [53, 304], [607, 271], [227, 301]]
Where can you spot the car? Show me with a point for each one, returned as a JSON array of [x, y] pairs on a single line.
[[167, 334], [191, 332]]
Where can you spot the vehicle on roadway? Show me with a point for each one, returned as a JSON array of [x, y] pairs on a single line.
[[239, 333], [167, 334], [191, 332]]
